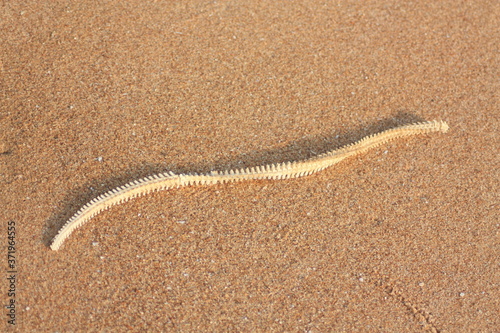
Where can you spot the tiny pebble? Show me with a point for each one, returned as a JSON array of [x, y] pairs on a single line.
[[462, 294], [4, 148]]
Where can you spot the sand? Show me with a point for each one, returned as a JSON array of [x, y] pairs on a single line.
[[402, 239]]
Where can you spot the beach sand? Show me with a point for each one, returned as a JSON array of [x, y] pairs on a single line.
[[404, 238]]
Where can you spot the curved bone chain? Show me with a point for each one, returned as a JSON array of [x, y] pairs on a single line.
[[286, 170]]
